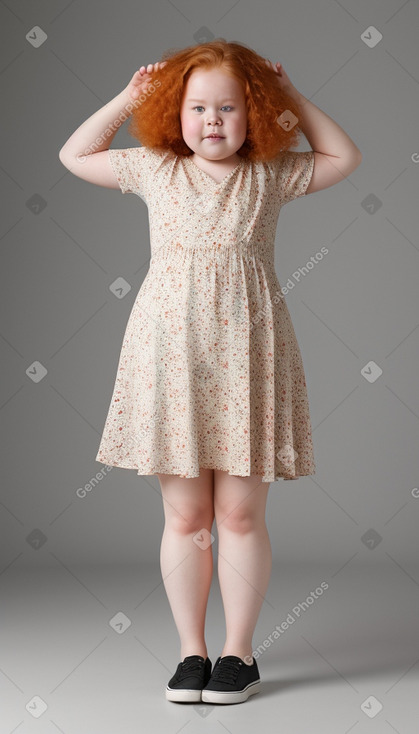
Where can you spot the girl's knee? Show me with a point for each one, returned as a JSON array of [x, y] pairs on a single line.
[[187, 521], [240, 503], [237, 521]]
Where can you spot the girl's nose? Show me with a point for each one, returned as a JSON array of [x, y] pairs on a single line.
[[213, 119]]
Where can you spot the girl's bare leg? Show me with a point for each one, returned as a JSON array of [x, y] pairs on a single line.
[[245, 556], [187, 565]]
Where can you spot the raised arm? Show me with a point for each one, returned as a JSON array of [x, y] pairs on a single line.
[[85, 153], [335, 154]]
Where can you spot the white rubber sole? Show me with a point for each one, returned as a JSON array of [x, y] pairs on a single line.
[[238, 697], [184, 694]]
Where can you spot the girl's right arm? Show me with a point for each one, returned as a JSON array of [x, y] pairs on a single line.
[[85, 153]]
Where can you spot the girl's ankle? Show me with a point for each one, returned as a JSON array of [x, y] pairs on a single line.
[[196, 651]]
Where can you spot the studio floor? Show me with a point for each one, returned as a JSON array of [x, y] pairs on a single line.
[[88, 650]]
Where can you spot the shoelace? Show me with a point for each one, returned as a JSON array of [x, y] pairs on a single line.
[[227, 671], [190, 667]]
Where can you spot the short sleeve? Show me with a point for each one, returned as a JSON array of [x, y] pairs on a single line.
[[135, 169], [293, 171]]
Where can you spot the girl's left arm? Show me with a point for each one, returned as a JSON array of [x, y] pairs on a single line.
[[335, 154]]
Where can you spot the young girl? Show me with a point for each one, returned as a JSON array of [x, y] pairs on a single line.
[[210, 391]]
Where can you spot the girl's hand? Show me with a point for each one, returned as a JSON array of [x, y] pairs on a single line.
[[283, 78], [142, 78]]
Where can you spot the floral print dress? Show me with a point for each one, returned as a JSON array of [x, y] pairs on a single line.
[[210, 374]]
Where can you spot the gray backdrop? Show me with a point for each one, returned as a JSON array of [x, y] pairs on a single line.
[[65, 241]]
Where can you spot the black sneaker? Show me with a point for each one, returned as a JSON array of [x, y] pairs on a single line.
[[191, 676], [232, 681]]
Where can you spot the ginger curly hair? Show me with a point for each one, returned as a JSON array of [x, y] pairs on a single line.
[[155, 122]]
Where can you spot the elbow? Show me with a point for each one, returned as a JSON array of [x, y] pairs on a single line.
[[354, 161], [64, 155], [66, 159]]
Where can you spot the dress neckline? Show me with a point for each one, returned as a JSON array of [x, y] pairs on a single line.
[[208, 176]]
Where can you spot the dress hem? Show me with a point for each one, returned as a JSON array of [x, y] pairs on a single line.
[[195, 476]]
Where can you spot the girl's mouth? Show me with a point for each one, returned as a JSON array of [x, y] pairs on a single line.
[[215, 137]]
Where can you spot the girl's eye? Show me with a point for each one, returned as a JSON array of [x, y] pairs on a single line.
[[200, 107]]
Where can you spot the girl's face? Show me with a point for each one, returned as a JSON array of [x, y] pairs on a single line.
[[213, 101]]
